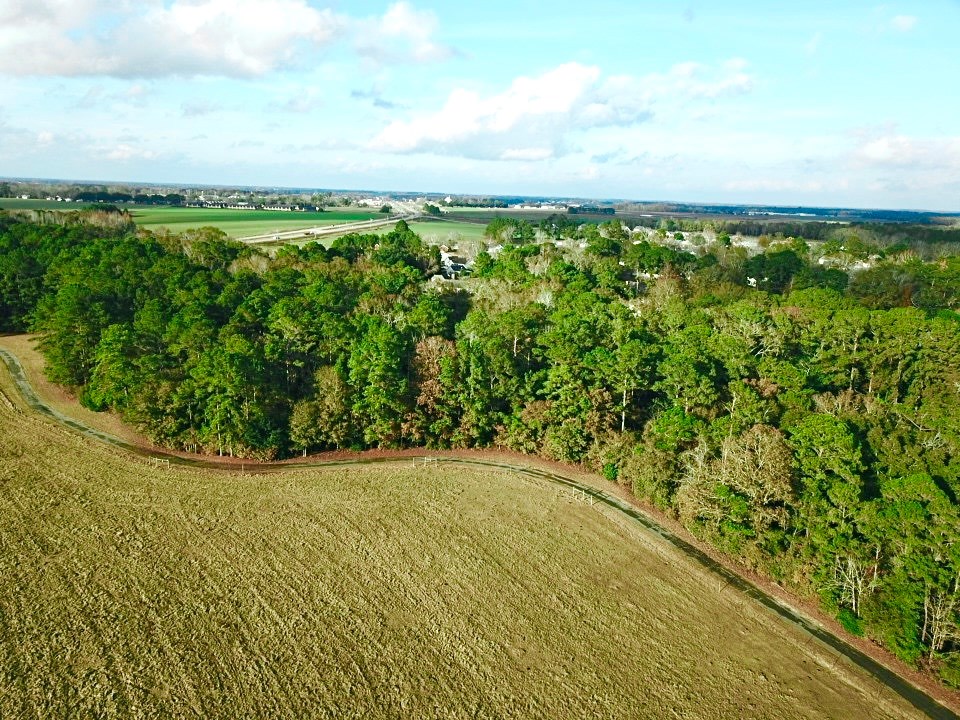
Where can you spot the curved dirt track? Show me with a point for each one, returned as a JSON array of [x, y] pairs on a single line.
[[912, 694]]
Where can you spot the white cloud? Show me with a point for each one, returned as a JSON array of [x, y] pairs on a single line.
[[528, 153], [527, 120], [64, 13], [92, 97], [903, 23], [589, 172], [699, 81], [402, 33], [231, 38], [97, 97], [198, 108], [123, 152], [135, 95], [920, 171], [534, 117], [888, 150], [240, 38], [891, 150], [780, 185], [300, 102]]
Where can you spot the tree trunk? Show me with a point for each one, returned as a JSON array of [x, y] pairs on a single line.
[[623, 410]]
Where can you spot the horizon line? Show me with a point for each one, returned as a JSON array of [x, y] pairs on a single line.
[[149, 183]]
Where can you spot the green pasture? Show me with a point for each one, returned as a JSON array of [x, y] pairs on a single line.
[[235, 223], [440, 232], [18, 204], [241, 223], [444, 232]]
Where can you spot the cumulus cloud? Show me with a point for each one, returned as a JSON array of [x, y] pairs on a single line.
[[402, 33], [228, 38], [527, 120], [534, 117], [240, 38], [921, 168], [889, 150], [893, 150], [35, 13]]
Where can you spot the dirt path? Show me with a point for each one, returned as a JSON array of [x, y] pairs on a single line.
[[589, 493]]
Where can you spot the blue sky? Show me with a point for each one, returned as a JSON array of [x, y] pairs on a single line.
[[852, 104]]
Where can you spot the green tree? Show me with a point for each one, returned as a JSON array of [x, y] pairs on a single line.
[[435, 414], [689, 374], [324, 420], [378, 380], [114, 376], [70, 327]]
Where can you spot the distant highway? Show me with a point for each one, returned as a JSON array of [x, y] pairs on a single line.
[[324, 230]]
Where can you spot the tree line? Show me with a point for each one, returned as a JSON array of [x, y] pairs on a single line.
[[807, 424]]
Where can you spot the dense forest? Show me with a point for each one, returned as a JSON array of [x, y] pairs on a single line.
[[802, 419]]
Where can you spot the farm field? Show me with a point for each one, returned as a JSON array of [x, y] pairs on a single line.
[[443, 231], [241, 223], [438, 232], [533, 216], [18, 204], [380, 590], [235, 223]]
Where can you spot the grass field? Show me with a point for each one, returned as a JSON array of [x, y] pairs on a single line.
[[235, 223], [242, 223], [533, 216], [438, 232], [128, 590], [443, 232], [24, 348], [18, 204]]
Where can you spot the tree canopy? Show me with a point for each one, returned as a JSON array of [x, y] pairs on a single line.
[[808, 427]]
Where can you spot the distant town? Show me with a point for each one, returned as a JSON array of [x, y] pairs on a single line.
[[319, 200]]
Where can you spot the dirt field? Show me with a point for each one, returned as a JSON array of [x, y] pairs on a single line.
[[129, 590]]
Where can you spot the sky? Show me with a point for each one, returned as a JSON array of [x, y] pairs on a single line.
[[818, 103]]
